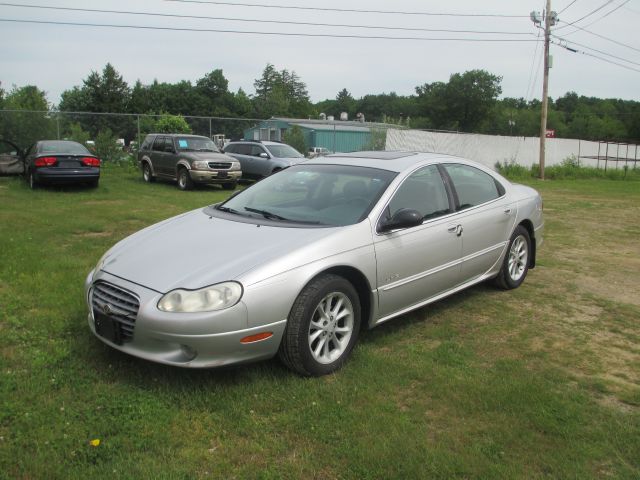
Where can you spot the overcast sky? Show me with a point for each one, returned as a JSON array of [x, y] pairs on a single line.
[[57, 57]]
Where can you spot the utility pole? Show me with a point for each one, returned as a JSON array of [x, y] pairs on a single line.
[[545, 88], [550, 19]]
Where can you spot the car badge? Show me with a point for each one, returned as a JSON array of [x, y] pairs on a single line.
[[106, 308]]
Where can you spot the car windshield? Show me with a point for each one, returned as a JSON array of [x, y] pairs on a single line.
[[196, 144], [325, 195], [71, 148], [284, 151]]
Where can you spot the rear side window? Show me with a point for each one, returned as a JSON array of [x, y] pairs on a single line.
[[230, 149], [473, 186]]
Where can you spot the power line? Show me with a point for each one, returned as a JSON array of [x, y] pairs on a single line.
[[595, 56], [201, 17], [604, 38], [587, 15], [348, 10], [597, 19], [595, 50], [246, 32], [565, 8], [531, 83]]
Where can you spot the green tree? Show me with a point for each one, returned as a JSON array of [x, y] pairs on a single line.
[[345, 103], [280, 93], [25, 128], [463, 103], [101, 93]]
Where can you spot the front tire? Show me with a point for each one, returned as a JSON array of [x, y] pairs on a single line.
[[322, 327], [184, 180], [33, 184], [516, 262]]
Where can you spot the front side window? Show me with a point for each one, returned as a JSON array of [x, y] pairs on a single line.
[[158, 144], [256, 150], [473, 186], [423, 191]]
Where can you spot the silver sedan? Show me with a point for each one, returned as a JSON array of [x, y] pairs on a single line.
[[298, 263]]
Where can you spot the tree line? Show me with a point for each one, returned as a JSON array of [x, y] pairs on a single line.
[[467, 102]]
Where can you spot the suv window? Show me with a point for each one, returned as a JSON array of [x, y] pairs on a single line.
[[473, 186], [256, 150], [148, 141], [158, 144], [243, 149], [424, 191]]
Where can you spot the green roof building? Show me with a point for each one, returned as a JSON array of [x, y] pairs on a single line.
[[336, 136]]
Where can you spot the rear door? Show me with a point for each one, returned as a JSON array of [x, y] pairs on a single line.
[[485, 216], [418, 263]]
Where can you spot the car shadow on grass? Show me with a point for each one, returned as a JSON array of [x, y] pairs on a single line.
[[115, 366]]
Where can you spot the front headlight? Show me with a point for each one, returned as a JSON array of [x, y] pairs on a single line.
[[215, 297], [200, 165], [235, 166]]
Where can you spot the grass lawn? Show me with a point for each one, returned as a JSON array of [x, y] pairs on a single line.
[[542, 381]]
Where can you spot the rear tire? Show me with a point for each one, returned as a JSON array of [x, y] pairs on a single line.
[[184, 180], [147, 176], [516, 262], [322, 327]]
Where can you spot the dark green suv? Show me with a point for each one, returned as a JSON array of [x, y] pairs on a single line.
[[189, 159]]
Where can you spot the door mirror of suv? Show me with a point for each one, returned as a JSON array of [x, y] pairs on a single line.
[[403, 218], [263, 155]]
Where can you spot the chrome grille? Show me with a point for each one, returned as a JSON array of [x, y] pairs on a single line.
[[118, 304], [220, 165]]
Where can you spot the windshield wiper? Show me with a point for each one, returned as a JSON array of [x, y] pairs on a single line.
[[227, 210], [266, 214]]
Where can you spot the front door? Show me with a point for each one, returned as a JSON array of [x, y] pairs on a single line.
[[418, 263]]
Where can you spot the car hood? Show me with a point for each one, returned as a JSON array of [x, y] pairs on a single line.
[[210, 156], [194, 250]]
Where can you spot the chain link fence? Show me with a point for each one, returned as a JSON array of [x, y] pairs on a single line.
[[116, 137]]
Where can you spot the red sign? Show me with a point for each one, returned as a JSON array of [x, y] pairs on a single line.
[[550, 133]]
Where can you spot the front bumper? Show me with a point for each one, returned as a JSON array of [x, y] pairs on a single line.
[[195, 340], [213, 176]]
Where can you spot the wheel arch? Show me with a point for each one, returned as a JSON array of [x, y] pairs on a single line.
[[147, 160], [359, 282], [528, 226], [182, 164]]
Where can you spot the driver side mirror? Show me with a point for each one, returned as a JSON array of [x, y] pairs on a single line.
[[263, 155], [403, 218]]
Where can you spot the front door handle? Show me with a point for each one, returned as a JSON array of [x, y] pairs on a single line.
[[457, 229]]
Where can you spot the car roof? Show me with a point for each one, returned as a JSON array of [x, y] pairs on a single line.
[[395, 161], [177, 135]]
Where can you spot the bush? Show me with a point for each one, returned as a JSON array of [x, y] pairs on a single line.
[[295, 138], [172, 124], [107, 149], [569, 169]]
